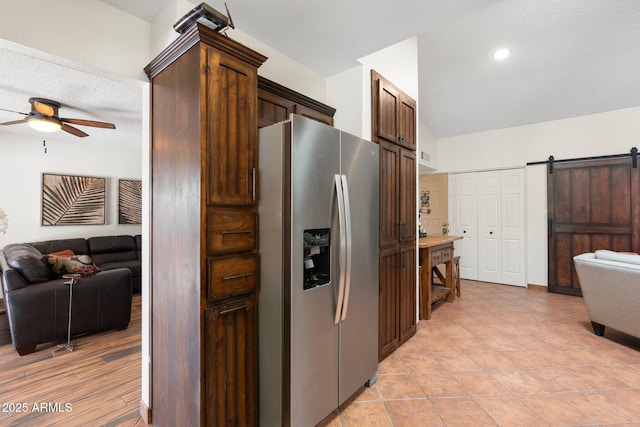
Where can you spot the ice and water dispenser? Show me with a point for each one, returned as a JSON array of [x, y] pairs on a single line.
[[317, 257]]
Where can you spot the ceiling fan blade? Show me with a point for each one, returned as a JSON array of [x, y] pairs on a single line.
[[44, 109], [15, 122], [12, 111], [92, 123], [73, 131]]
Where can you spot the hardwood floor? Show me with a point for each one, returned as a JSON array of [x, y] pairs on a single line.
[[98, 384]]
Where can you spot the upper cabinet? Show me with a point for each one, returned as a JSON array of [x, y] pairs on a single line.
[[276, 102], [393, 113], [231, 115]]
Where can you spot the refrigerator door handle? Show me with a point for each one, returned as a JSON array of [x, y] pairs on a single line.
[[343, 247], [347, 220]]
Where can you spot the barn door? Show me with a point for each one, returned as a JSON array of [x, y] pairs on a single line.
[[592, 205]]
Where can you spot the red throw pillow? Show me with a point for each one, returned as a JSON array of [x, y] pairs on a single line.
[[66, 252]]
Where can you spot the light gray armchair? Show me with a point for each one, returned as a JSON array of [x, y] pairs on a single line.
[[610, 283]]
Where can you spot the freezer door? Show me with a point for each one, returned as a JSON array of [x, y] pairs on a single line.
[[359, 329], [315, 159]]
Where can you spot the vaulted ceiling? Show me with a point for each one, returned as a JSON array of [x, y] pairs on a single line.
[[568, 57]]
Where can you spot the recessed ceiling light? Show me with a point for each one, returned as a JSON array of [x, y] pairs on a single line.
[[500, 54]]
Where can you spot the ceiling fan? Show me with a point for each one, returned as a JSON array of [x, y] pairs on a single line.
[[44, 117]]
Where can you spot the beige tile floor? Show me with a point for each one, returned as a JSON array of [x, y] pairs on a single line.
[[504, 356]]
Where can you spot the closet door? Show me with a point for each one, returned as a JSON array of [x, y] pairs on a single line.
[[513, 227], [465, 223], [489, 227], [488, 212]]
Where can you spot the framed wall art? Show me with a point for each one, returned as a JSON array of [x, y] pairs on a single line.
[[73, 200], [129, 201]]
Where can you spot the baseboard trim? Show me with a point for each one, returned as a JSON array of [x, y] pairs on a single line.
[[145, 413], [537, 287]]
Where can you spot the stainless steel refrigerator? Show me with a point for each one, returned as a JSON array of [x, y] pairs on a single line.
[[318, 301]]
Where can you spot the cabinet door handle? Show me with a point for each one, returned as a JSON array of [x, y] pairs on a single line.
[[237, 276], [253, 179], [231, 310], [225, 232]]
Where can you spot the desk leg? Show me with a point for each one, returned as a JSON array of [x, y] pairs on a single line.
[[425, 284], [452, 287]]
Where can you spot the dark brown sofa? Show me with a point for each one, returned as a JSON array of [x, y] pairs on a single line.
[[37, 301]]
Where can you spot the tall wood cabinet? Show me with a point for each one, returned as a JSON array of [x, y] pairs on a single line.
[[394, 129], [204, 227]]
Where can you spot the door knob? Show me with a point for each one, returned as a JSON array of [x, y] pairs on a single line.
[[491, 232]]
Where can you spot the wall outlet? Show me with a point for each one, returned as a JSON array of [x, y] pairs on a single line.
[[425, 156]]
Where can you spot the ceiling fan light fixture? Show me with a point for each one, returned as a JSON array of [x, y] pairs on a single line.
[[45, 124], [501, 54]]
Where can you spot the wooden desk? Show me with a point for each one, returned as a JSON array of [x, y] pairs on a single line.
[[435, 250]]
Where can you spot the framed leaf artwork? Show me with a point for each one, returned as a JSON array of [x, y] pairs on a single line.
[[73, 200], [130, 201]]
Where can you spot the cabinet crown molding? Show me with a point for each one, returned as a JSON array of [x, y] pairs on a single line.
[[200, 33]]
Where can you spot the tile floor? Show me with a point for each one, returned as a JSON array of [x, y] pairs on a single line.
[[504, 356]]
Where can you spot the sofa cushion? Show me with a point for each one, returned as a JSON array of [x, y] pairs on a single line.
[[77, 245], [76, 264], [107, 249], [27, 260], [133, 265], [617, 256]]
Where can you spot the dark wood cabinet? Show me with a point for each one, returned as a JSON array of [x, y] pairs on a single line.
[[389, 277], [407, 289], [204, 261], [393, 118], [397, 205], [407, 197], [230, 372], [389, 194], [276, 102], [397, 298], [230, 113], [393, 113]]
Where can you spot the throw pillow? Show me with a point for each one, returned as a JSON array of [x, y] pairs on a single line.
[[76, 264], [66, 252]]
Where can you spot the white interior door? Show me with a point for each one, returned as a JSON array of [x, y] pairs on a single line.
[[466, 223], [513, 227], [489, 229]]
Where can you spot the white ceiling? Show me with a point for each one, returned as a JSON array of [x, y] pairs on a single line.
[[570, 58]]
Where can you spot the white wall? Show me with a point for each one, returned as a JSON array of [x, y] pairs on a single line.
[[612, 132], [350, 91], [88, 31], [427, 143], [345, 93], [22, 162]]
